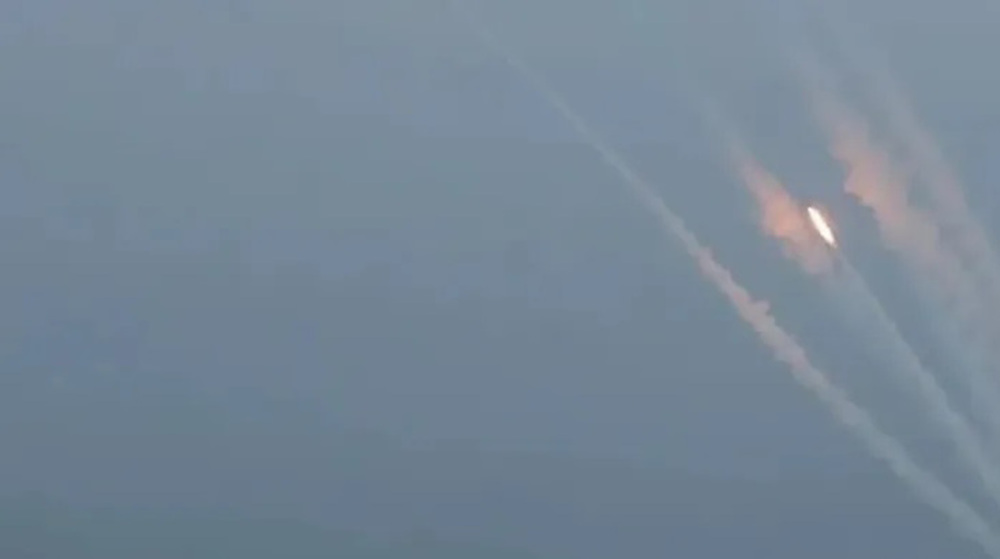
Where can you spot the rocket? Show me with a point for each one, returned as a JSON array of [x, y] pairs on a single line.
[[822, 226]]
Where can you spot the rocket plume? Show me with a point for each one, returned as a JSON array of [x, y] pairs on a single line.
[[880, 444], [783, 219], [785, 348], [950, 209], [821, 225], [912, 234], [781, 216]]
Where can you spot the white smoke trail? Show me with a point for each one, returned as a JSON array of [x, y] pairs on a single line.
[[756, 313], [871, 315], [938, 275], [784, 219], [947, 194], [949, 209]]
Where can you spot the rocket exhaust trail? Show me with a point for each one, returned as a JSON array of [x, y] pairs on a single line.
[[784, 219], [879, 443], [969, 446], [947, 195], [786, 349], [949, 208], [940, 276]]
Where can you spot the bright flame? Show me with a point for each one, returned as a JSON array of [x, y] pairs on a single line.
[[822, 227]]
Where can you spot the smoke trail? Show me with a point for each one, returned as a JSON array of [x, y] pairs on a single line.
[[880, 444], [869, 314], [911, 233], [757, 315], [781, 216], [949, 207], [940, 180], [784, 219]]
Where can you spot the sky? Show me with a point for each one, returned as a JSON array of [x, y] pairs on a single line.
[[330, 272]]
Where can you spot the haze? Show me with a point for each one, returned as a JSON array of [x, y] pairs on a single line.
[[328, 279]]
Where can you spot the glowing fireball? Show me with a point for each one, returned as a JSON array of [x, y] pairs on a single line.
[[821, 225]]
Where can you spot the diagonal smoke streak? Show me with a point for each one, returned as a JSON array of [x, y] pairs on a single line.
[[784, 219], [781, 215], [910, 233], [786, 349], [869, 312], [951, 209]]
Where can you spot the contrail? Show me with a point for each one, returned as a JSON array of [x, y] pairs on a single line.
[[947, 196], [781, 215], [949, 208], [784, 219], [757, 314], [909, 232]]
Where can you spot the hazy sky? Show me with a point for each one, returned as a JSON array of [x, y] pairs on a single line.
[[334, 262]]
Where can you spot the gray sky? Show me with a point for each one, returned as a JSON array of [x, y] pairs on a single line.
[[333, 262]]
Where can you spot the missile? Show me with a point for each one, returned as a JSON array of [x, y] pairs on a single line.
[[822, 226]]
